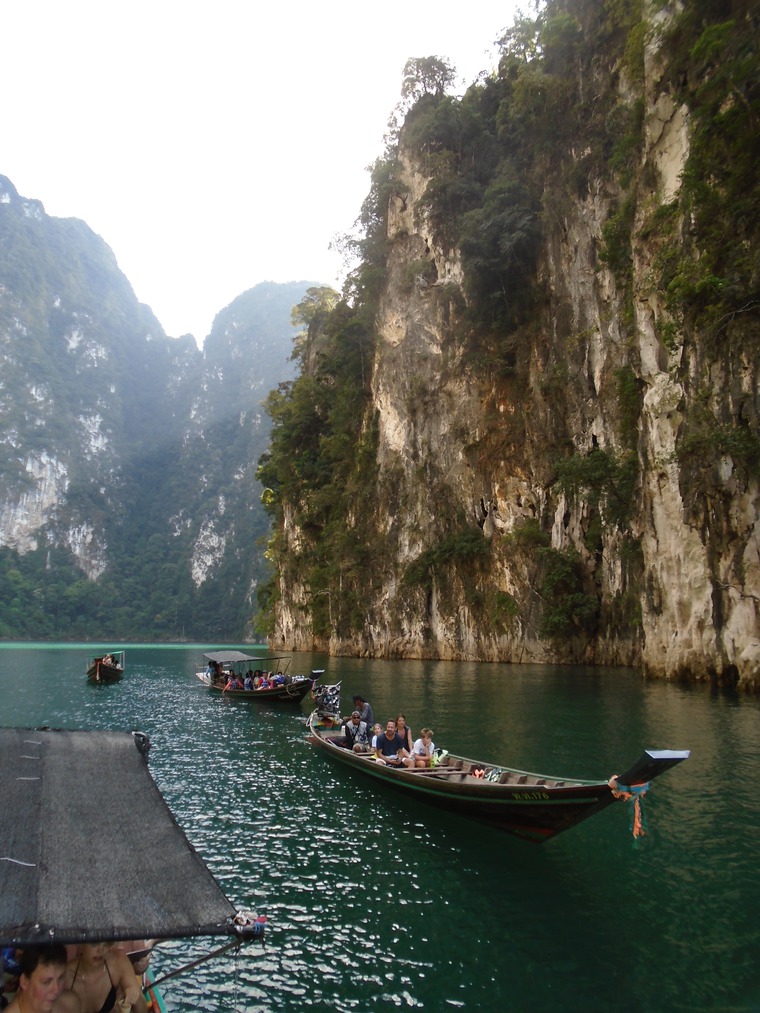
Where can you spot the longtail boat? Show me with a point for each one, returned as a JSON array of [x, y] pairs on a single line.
[[78, 864], [224, 668], [107, 667], [533, 806]]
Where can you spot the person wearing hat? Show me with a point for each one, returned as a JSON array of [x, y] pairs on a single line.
[[356, 734], [365, 710]]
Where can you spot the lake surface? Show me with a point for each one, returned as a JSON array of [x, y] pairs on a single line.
[[374, 900]]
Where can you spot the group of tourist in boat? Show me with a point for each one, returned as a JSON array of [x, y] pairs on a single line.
[[89, 978], [250, 680], [395, 745]]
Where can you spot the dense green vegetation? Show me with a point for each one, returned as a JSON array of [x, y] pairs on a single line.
[[714, 277], [321, 458]]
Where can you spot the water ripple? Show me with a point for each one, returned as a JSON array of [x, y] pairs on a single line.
[[376, 901]]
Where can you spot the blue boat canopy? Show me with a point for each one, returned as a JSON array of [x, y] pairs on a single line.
[[89, 849]]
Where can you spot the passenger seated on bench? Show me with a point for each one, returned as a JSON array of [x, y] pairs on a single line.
[[390, 747], [42, 970], [101, 976], [356, 734], [377, 729], [404, 732], [138, 952], [422, 750]]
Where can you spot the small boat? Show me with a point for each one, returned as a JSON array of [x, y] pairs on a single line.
[[106, 667], [224, 667], [152, 993], [533, 806], [92, 852]]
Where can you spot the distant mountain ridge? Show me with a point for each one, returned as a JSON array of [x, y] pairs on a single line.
[[129, 506]]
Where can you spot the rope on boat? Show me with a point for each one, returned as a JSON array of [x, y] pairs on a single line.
[[633, 793], [247, 930]]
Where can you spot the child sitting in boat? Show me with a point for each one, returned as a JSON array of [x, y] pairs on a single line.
[[422, 750]]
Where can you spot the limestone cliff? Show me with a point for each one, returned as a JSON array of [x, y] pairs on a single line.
[[129, 507], [558, 456]]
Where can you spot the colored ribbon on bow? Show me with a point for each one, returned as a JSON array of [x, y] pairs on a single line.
[[633, 793]]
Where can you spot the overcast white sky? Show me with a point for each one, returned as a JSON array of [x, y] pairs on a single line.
[[214, 144]]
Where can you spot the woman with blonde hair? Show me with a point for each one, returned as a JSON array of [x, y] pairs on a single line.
[[104, 980]]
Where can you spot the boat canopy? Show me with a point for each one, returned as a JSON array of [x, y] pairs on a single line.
[[89, 849], [233, 657], [228, 657]]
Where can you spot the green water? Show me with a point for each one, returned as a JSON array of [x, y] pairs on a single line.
[[374, 900]]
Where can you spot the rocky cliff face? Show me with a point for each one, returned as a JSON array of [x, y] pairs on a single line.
[[603, 446], [129, 506], [81, 366]]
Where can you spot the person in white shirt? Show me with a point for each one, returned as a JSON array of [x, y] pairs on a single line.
[[422, 750]]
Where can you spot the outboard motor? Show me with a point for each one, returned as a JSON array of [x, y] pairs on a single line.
[[327, 700]]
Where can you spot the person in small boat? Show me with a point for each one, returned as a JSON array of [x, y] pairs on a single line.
[[233, 681], [103, 977], [356, 734], [248, 681], [422, 750], [138, 952], [404, 732], [365, 710], [377, 730], [390, 747], [41, 983]]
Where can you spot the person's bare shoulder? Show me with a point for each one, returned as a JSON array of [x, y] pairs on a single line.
[[67, 1002]]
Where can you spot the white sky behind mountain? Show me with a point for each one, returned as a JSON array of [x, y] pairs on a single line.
[[216, 144]]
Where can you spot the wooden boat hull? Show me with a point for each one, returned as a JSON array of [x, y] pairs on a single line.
[[100, 671], [292, 692], [532, 806], [152, 994]]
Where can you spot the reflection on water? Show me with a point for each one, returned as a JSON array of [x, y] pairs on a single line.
[[376, 900]]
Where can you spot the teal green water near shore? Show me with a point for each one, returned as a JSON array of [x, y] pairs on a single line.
[[374, 901]]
